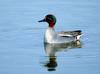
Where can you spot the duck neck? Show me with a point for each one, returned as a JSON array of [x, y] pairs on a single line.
[[51, 24]]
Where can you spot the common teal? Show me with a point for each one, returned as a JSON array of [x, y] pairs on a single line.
[[51, 36]]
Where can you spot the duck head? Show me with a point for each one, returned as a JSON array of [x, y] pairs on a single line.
[[50, 19]]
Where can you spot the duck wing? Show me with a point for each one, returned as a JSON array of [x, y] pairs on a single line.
[[70, 33]]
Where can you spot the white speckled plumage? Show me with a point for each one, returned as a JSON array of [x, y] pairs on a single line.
[[52, 37]]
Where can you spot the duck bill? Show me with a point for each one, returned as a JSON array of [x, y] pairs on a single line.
[[42, 20]]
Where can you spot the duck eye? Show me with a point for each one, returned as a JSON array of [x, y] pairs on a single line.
[[49, 18]]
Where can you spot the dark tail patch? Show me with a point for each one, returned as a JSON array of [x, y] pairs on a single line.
[[79, 32]]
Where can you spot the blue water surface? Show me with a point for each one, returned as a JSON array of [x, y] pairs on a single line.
[[22, 50]]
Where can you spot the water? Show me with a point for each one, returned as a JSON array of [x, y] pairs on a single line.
[[21, 37]]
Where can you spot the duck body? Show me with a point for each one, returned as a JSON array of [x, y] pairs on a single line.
[[51, 36]]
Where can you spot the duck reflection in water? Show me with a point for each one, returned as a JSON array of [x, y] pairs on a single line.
[[51, 50]]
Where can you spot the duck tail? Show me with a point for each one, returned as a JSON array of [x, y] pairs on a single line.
[[79, 32]]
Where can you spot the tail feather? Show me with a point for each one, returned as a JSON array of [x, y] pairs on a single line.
[[79, 32]]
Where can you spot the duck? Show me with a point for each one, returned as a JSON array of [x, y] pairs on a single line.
[[53, 37]]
